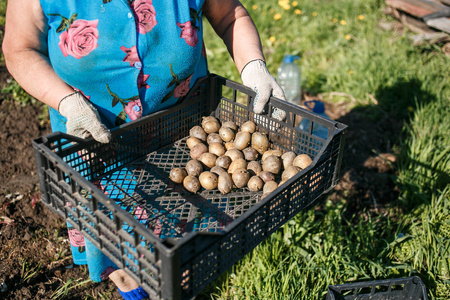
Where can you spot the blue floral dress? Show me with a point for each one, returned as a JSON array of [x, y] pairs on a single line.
[[130, 59]]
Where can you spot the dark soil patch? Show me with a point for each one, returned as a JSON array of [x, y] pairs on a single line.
[[35, 258]]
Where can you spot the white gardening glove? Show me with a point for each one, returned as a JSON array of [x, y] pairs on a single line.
[[83, 119], [256, 76]]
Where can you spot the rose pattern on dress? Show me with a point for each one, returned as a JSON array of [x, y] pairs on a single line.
[[188, 33], [79, 37], [134, 109], [76, 239], [183, 88], [142, 78], [131, 56], [145, 14]]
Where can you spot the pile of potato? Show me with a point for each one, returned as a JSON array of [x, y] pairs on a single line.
[[225, 157]]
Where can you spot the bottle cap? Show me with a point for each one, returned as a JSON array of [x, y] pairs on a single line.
[[318, 108], [290, 58]]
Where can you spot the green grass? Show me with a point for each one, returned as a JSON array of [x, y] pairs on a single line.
[[343, 51]]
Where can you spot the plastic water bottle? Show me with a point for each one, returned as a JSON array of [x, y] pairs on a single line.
[[318, 108], [289, 79]]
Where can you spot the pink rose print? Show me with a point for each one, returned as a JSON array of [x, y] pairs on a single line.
[[79, 39], [76, 239], [188, 33], [140, 213], [134, 109], [183, 88], [146, 15], [132, 56], [142, 78]]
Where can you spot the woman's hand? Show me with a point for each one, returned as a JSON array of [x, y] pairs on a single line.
[[82, 118]]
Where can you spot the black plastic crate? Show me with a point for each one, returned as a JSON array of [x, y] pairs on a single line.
[[183, 241], [409, 288]]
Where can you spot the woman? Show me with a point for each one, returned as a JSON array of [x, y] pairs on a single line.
[[98, 64]]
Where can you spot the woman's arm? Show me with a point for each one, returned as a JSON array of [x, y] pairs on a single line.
[[25, 50], [234, 25]]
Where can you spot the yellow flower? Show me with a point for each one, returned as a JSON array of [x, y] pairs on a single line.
[[294, 3], [314, 14], [298, 11], [360, 17], [255, 7], [284, 4], [277, 16], [348, 37], [271, 10], [350, 72], [272, 39], [335, 20], [343, 22]]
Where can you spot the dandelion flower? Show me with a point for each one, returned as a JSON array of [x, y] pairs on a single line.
[[360, 17], [298, 11], [350, 72], [255, 7], [314, 14], [294, 3], [277, 16], [284, 4], [335, 20], [272, 39], [348, 37], [343, 22]]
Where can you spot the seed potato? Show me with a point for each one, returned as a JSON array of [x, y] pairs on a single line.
[[211, 127], [250, 154], [254, 167], [192, 141], [290, 172], [213, 138], [217, 149], [223, 161], [209, 119], [225, 183], [242, 140], [272, 164], [231, 125], [194, 167], [302, 161], [177, 175], [255, 184], [240, 177], [226, 134], [260, 142], [192, 184], [234, 154], [269, 187], [288, 159], [198, 150], [218, 170], [208, 180], [208, 159], [198, 132], [266, 176], [237, 164], [248, 126], [271, 152]]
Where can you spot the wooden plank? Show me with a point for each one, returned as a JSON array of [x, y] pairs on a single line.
[[440, 23], [416, 8]]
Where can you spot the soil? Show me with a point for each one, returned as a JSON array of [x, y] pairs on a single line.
[[35, 259]]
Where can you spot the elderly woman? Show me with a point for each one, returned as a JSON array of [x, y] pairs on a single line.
[[98, 64]]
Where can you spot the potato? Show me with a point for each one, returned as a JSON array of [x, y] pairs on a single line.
[[240, 177], [208, 159], [217, 149], [209, 119], [260, 142], [194, 167], [192, 141], [213, 138], [192, 184], [269, 187], [302, 161], [225, 183], [242, 140], [227, 134], [234, 154], [271, 152], [208, 180], [231, 125], [290, 172], [266, 176], [177, 175], [198, 150], [229, 145], [254, 168], [248, 126], [288, 159], [223, 161], [255, 184], [272, 164], [237, 164], [250, 154], [198, 132], [211, 127], [218, 170]]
